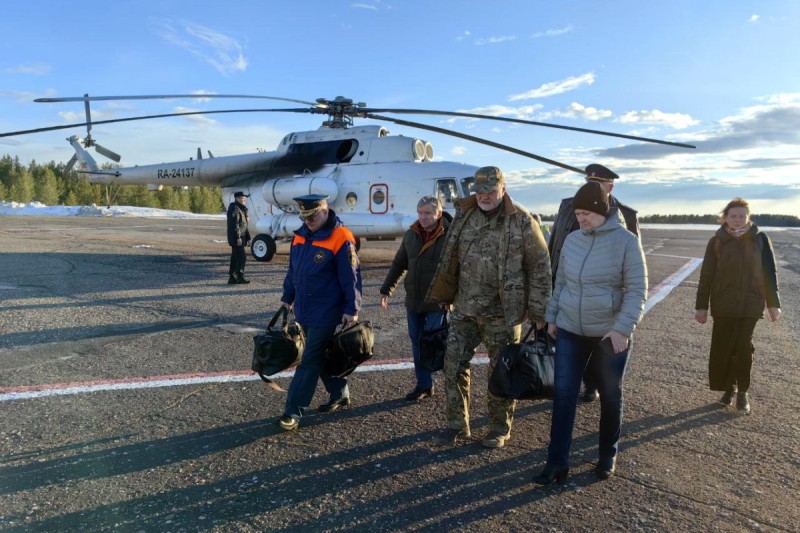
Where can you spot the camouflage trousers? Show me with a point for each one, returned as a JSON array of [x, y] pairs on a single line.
[[466, 333]]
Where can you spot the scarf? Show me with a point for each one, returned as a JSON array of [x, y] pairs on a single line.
[[736, 233]]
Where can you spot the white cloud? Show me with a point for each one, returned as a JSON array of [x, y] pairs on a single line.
[[364, 6], [463, 36], [26, 96], [458, 150], [552, 33], [555, 87], [677, 121], [579, 111], [37, 69], [80, 116], [754, 18], [495, 39], [202, 119], [523, 112], [224, 53]]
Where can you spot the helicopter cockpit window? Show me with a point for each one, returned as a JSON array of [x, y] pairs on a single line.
[[468, 185], [447, 192]]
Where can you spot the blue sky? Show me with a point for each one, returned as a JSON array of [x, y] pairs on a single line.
[[723, 75]]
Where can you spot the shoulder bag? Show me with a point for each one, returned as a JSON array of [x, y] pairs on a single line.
[[525, 370], [278, 348]]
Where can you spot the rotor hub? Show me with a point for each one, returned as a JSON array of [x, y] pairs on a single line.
[[340, 111]]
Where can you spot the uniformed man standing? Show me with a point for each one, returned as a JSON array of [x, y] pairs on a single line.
[[566, 223], [238, 237], [323, 284], [496, 272]]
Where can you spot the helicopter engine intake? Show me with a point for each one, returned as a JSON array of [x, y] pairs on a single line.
[[279, 192]]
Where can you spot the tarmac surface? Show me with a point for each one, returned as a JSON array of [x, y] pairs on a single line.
[[127, 404]]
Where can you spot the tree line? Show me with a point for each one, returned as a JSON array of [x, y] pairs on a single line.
[[50, 185], [761, 220]]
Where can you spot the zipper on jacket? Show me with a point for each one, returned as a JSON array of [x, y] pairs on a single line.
[[580, 283]]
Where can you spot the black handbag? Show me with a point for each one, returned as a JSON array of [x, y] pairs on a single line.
[[349, 347], [525, 370], [278, 348], [433, 345]]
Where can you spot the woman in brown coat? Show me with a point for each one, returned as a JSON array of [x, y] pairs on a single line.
[[738, 276]]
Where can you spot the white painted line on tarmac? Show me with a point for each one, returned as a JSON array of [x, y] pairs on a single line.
[[656, 294], [65, 389], [660, 291]]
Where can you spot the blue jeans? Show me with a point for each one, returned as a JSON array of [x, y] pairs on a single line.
[[572, 353], [417, 323], [310, 369]]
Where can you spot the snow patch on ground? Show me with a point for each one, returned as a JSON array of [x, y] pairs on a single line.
[[39, 209]]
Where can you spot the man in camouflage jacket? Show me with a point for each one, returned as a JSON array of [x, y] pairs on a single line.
[[495, 270]]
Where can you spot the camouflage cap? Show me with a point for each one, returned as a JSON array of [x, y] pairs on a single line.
[[488, 179]]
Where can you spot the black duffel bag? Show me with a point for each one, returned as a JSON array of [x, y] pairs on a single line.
[[349, 347], [278, 348], [525, 370], [433, 345]]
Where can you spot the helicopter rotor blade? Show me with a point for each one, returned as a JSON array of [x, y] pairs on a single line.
[[88, 119], [87, 98], [521, 121], [71, 164], [477, 140], [163, 115], [108, 153]]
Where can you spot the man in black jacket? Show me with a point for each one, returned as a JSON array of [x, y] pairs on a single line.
[[238, 237], [566, 223]]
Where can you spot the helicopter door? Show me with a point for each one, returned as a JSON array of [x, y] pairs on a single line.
[[447, 192], [379, 199]]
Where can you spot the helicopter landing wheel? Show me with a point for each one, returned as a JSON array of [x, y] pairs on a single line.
[[263, 247]]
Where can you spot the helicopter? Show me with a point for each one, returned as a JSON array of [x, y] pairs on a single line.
[[373, 179]]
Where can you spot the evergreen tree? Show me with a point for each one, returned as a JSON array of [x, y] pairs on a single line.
[[86, 193], [71, 199], [21, 189], [46, 187]]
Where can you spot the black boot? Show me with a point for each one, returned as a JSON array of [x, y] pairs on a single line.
[[232, 280], [419, 394], [552, 474], [727, 398], [606, 467], [241, 279], [742, 403]]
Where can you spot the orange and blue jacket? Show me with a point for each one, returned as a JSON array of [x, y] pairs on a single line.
[[324, 277]]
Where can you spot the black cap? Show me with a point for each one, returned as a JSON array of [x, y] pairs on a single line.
[[237, 194], [599, 172], [591, 197], [309, 203]]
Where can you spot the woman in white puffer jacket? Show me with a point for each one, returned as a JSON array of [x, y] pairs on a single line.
[[597, 301]]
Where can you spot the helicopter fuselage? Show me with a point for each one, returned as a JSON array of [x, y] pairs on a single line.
[[374, 180]]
